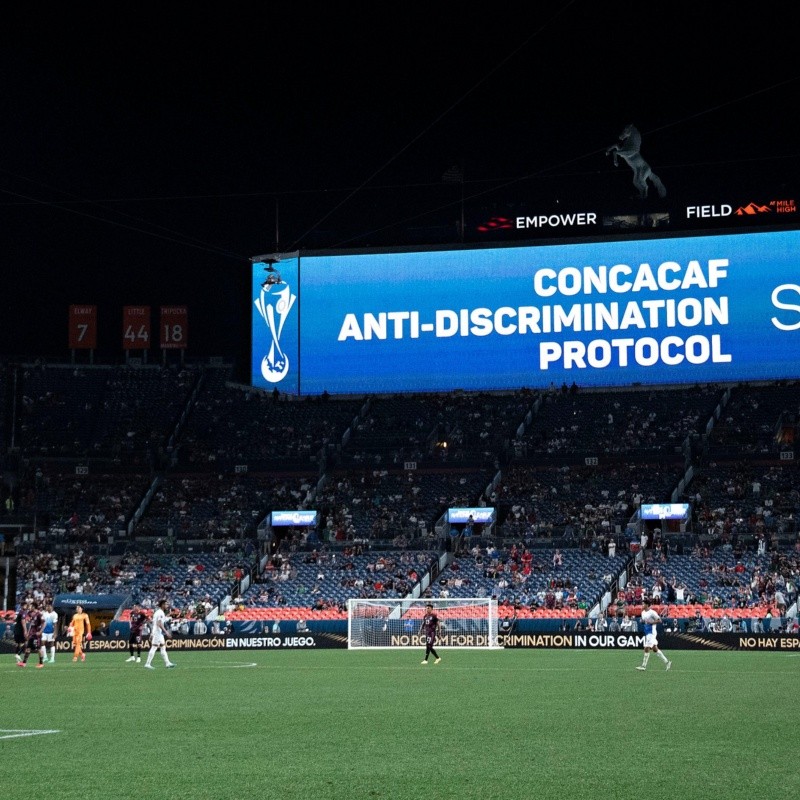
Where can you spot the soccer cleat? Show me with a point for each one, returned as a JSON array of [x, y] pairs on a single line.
[[138, 660], [170, 665], [39, 666], [437, 661], [51, 661], [669, 665], [425, 661], [21, 664], [75, 659], [641, 668], [132, 658], [83, 657], [149, 666]]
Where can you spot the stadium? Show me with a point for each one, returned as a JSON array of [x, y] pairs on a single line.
[[382, 511], [535, 520]]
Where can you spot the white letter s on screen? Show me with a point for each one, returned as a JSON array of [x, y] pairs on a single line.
[[787, 306]]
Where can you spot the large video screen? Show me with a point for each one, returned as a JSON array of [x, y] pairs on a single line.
[[613, 313]]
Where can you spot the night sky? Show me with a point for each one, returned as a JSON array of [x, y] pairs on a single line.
[[147, 154]]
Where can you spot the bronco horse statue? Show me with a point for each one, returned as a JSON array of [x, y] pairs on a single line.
[[628, 147]]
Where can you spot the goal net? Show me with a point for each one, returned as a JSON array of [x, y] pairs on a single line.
[[384, 623]]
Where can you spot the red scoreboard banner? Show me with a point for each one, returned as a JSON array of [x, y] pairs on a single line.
[[135, 327], [82, 327], [174, 327]]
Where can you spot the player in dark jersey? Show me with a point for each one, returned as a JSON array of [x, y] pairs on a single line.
[[137, 621], [34, 633], [21, 631], [429, 629]]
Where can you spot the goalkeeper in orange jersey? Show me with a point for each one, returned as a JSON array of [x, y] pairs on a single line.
[[81, 629]]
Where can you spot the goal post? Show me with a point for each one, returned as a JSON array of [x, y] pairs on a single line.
[[464, 622]]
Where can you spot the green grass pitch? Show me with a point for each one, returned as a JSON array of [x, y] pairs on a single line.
[[338, 725]]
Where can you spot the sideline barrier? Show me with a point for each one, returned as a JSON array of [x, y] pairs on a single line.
[[785, 642], [779, 642]]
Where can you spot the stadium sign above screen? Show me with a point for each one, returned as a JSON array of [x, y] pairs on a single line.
[[692, 309]]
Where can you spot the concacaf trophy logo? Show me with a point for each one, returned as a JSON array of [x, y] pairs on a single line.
[[274, 303]]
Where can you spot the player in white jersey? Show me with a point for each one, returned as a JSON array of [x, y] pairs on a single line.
[[159, 635], [651, 620], [49, 633]]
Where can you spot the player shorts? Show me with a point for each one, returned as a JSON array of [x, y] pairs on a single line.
[[650, 640], [34, 643], [48, 637]]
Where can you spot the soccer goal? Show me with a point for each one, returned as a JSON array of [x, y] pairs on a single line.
[[384, 623]]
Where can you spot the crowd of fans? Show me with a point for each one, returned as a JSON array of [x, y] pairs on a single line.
[[116, 461]]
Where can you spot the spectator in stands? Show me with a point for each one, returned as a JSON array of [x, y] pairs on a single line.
[[655, 592], [628, 624], [696, 624], [725, 625], [469, 532], [780, 601], [507, 624]]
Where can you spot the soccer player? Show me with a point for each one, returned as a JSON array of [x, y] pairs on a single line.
[[21, 631], [137, 620], [35, 625], [430, 627], [650, 620], [81, 628], [159, 635], [50, 632]]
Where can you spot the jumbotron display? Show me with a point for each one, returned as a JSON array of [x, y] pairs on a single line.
[[674, 310]]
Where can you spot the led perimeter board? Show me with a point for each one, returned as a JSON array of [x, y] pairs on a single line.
[[693, 309]]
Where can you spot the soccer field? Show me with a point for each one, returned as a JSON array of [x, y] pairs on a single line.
[[334, 724]]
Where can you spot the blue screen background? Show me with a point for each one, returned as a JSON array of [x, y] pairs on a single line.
[[331, 286]]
